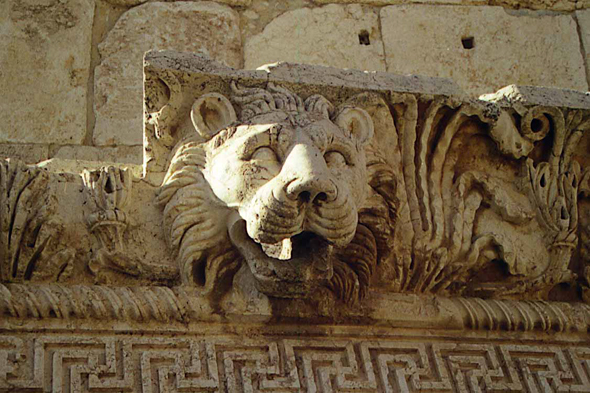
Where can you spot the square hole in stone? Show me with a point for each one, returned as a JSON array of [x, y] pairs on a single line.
[[364, 38], [468, 42]]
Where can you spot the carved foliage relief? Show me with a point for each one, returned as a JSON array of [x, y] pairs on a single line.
[[258, 191], [30, 249], [308, 229], [435, 194]]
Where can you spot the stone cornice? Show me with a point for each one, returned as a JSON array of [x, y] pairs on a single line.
[[179, 305]]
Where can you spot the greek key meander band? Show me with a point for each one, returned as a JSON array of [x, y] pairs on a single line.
[[149, 364]]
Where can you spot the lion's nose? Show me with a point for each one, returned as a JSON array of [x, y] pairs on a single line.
[[307, 178], [314, 189]]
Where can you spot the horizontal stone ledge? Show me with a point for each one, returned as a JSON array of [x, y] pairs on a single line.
[[556, 5], [184, 305], [304, 74], [62, 165]]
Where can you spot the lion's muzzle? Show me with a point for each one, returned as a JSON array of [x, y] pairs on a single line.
[[309, 266]]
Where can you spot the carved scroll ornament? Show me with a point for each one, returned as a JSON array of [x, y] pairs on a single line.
[[283, 197], [297, 193]]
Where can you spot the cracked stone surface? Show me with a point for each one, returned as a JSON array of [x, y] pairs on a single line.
[[583, 18], [505, 49], [185, 26], [44, 68], [334, 35]]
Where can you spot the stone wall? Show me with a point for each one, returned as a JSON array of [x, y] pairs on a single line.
[[71, 70]]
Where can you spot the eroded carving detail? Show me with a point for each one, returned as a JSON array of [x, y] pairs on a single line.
[[285, 188], [144, 304], [29, 237], [108, 190], [432, 222], [449, 244]]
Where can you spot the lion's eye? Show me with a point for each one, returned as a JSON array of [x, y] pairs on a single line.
[[335, 159], [264, 154]]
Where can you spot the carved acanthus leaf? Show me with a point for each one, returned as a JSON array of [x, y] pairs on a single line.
[[29, 237]]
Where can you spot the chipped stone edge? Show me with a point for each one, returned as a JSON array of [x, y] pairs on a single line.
[[305, 74]]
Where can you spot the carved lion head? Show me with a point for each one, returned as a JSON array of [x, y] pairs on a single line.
[[285, 189]]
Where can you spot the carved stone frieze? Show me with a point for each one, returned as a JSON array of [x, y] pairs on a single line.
[[178, 305], [439, 189], [108, 191], [30, 249], [152, 364], [299, 182], [416, 239]]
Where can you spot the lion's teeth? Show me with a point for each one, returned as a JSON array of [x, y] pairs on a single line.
[[286, 249], [280, 250]]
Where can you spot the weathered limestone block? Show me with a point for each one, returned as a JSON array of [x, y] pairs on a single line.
[[261, 13], [456, 211], [44, 70], [314, 229], [27, 153], [122, 154], [190, 26], [483, 48], [583, 19], [554, 5], [334, 35]]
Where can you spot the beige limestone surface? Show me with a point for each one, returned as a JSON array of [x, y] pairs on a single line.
[[44, 68], [556, 5], [528, 49], [28, 153], [261, 13], [583, 19], [130, 3], [124, 154], [317, 230], [190, 26], [334, 35]]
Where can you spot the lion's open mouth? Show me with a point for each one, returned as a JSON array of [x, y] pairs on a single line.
[[290, 268], [293, 247]]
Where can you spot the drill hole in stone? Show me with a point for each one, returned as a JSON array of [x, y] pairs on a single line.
[[536, 125], [468, 42], [364, 38]]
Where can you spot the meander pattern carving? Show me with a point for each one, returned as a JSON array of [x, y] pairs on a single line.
[[461, 221], [225, 364]]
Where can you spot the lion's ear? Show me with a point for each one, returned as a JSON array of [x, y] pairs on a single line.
[[211, 113], [357, 122]]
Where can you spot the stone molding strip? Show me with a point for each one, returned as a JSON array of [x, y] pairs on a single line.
[[161, 363], [163, 304]]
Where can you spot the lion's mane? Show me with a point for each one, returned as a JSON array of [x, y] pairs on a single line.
[[194, 219]]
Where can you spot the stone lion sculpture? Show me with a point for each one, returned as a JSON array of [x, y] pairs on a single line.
[[290, 191]]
